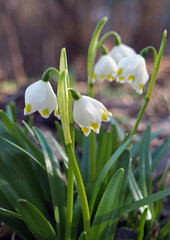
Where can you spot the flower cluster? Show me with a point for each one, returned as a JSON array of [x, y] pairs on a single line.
[[122, 64], [88, 113]]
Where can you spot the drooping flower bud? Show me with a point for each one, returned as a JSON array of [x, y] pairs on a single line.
[[40, 97], [88, 113], [133, 70], [120, 51], [104, 69]]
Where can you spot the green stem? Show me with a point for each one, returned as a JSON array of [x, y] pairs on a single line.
[[145, 51], [152, 83], [92, 159], [81, 190], [47, 74], [70, 192], [118, 40], [104, 49]]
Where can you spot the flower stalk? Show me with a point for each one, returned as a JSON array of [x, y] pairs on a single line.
[[152, 82]]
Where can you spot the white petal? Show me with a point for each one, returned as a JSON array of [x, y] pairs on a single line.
[[85, 113], [120, 51], [34, 95], [50, 102], [104, 69], [101, 109]]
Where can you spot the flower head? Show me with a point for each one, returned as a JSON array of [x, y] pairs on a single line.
[[104, 69], [120, 51], [88, 113], [40, 97], [133, 70]]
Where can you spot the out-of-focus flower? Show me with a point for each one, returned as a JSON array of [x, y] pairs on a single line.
[[88, 113], [133, 70], [104, 69], [120, 51], [40, 97]]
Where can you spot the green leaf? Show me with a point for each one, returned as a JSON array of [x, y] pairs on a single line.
[[21, 175], [60, 133], [11, 111], [85, 161], [124, 162], [115, 138], [112, 161], [83, 236], [106, 206], [142, 225], [20, 138], [104, 151], [57, 185], [145, 175], [60, 151], [119, 129], [136, 192], [63, 60], [40, 227], [145, 201], [13, 220], [159, 153]]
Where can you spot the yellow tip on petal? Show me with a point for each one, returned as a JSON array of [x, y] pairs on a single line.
[[45, 112], [109, 113], [131, 78], [141, 86], [121, 78], [110, 77], [85, 131], [28, 108], [57, 112], [94, 76], [119, 71], [104, 116], [102, 77], [95, 126]]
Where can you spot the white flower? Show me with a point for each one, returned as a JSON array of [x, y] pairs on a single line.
[[120, 51], [88, 114], [40, 97], [104, 69], [133, 70]]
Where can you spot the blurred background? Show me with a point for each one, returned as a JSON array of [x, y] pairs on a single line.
[[32, 34]]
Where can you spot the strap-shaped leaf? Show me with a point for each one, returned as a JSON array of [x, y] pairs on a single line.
[[83, 236], [57, 185], [124, 162], [20, 138], [106, 206], [14, 222], [159, 153], [40, 227], [145, 176], [105, 171], [145, 201]]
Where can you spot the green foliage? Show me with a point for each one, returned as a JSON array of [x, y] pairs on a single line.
[[80, 194], [33, 190]]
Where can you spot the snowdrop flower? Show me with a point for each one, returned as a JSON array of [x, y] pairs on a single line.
[[133, 70], [104, 69], [88, 113], [40, 97], [120, 51]]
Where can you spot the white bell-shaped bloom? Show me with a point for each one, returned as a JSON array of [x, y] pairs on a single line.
[[120, 51], [104, 69], [88, 113], [40, 97], [133, 70]]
